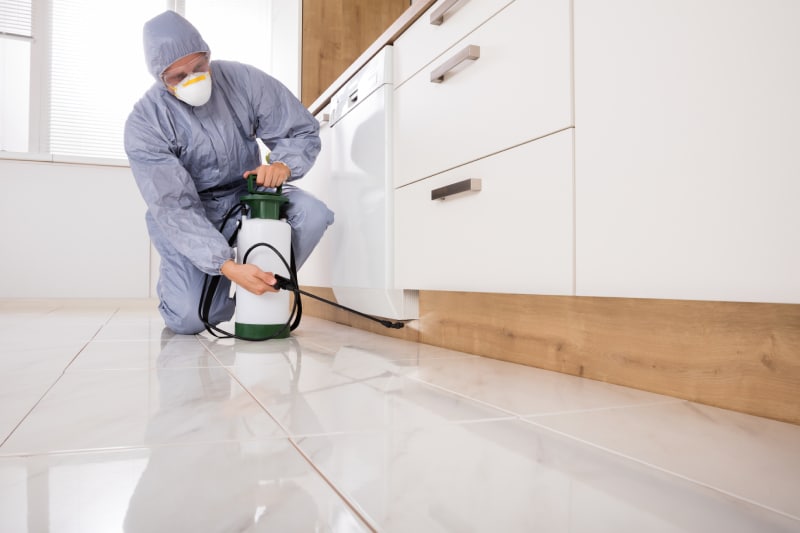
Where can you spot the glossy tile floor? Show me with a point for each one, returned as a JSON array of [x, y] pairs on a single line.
[[108, 423]]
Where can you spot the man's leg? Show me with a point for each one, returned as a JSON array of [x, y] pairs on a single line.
[[309, 217], [180, 286]]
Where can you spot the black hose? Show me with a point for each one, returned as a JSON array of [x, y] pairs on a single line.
[[211, 283]]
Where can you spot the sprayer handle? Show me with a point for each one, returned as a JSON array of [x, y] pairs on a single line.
[[252, 186]]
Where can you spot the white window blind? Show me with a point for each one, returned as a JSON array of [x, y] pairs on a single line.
[[98, 72], [15, 17]]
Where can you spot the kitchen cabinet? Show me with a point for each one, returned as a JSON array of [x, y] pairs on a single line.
[[444, 24], [514, 235], [687, 161], [515, 90], [504, 118]]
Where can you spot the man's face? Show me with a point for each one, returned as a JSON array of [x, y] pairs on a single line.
[[185, 66]]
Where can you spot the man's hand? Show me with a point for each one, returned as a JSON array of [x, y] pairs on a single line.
[[249, 277], [272, 176]]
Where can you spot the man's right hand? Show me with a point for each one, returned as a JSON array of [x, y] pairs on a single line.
[[249, 277]]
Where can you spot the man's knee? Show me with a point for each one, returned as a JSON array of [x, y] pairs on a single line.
[[181, 320], [309, 213]]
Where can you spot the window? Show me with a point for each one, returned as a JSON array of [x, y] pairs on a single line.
[[15, 52], [73, 69], [97, 73]]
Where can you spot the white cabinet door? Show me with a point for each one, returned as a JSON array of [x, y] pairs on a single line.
[[516, 91], [688, 149], [513, 236]]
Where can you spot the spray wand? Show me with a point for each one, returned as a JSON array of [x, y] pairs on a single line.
[[282, 283]]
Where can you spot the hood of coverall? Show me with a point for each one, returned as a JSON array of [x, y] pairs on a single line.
[[167, 38]]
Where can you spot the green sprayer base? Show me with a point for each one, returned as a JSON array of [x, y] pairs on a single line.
[[261, 331]]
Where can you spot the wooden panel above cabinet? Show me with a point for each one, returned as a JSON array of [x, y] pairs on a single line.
[[335, 33]]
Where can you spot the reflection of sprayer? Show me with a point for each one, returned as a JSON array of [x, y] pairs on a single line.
[[265, 241]]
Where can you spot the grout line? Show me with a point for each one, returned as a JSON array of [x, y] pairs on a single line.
[[27, 414], [347, 501], [511, 414], [359, 512], [368, 431], [61, 375], [137, 447], [660, 469], [554, 413], [605, 408]]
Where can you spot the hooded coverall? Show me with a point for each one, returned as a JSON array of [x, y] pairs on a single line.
[[188, 163]]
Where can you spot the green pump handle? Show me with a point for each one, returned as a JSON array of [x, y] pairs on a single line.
[[252, 186]]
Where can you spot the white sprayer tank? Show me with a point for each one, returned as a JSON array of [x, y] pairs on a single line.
[[266, 315]]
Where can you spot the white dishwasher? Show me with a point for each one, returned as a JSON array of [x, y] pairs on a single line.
[[361, 195]]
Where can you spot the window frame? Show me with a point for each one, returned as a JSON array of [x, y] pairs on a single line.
[[39, 93]]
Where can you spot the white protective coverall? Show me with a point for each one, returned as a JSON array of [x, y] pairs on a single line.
[[188, 163]]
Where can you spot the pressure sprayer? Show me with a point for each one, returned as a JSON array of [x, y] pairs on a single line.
[[265, 241]]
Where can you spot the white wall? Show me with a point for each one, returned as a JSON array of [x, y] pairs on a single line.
[[286, 25], [72, 231]]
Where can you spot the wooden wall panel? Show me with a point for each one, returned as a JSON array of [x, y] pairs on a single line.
[[335, 33], [739, 356]]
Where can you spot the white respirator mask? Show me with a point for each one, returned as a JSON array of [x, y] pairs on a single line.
[[194, 89]]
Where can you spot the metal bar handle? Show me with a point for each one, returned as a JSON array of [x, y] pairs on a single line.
[[470, 185], [437, 17], [471, 52]]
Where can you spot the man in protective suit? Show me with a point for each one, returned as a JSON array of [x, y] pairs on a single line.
[[191, 141]]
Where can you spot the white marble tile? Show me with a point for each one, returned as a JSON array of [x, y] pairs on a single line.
[[354, 361], [525, 390], [137, 330], [50, 333], [257, 486], [119, 408], [400, 428], [229, 351], [137, 310], [310, 392], [506, 476], [62, 309], [323, 333], [19, 392], [31, 358], [185, 353], [754, 458]]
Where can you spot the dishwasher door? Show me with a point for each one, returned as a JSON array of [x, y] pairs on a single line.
[[360, 178], [362, 186]]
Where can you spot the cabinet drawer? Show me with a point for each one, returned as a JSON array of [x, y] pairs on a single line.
[[518, 90], [423, 41], [515, 235]]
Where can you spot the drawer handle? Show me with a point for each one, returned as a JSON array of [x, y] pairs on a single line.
[[437, 17], [473, 184], [471, 52]]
